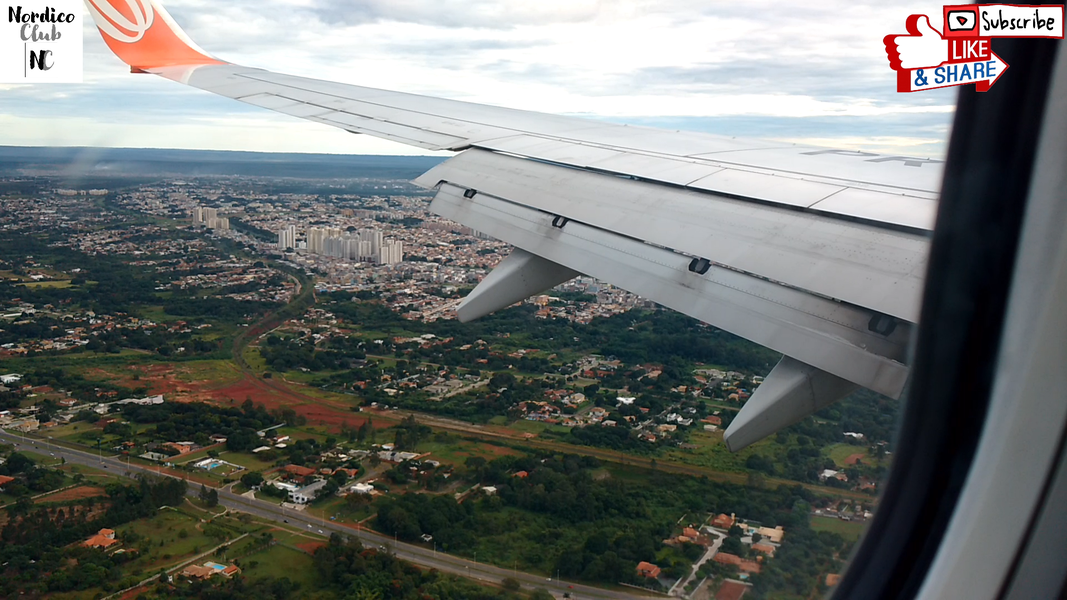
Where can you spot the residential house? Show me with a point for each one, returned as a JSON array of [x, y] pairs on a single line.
[[360, 488], [723, 521], [4, 480], [764, 549], [299, 472], [774, 535], [104, 539], [647, 569], [210, 569]]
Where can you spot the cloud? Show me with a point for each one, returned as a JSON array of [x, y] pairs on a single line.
[[805, 71], [489, 14]]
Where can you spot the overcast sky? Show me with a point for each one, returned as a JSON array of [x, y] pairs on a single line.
[[815, 73]]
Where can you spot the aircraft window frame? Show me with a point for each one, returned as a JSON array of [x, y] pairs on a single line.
[[972, 260]]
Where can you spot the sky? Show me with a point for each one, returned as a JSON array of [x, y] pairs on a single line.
[[812, 73]]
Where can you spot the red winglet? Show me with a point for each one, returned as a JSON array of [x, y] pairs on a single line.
[[144, 36]]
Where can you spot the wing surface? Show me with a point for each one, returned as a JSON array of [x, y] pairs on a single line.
[[817, 253]]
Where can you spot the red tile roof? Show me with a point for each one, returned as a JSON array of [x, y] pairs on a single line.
[[647, 569], [750, 566], [764, 548], [723, 521], [299, 471], [99, 541], [727, 558]]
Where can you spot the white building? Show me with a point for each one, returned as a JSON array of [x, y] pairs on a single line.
[[360, 488], [307, 493], [285, 486]]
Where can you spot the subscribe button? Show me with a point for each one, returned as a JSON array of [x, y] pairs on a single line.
[[1004, 20]]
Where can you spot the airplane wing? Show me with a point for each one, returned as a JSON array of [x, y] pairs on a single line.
[[816, 253]]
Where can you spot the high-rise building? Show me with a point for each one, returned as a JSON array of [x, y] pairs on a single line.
[[287, 238], [391, 253], [209, 217], [316, 237], [218, 223], [375, 238]]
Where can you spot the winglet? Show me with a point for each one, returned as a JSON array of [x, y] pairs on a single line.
[[144, 36]]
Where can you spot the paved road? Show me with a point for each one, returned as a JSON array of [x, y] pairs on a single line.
[[417, 554]]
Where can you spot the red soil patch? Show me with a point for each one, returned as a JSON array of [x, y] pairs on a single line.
[[276, 395], [158, 379], [77, 493], [854, 458], [130, 595], [311, 547]]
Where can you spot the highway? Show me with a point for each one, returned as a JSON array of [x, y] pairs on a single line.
[[417, 554]]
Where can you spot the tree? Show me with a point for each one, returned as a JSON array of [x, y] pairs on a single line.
[[502, 380], [209, 496], [252, 479], [512, 585]]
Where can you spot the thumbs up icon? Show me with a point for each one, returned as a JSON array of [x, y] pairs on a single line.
[[922, 47]]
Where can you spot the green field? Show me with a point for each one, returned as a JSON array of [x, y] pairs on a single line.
[[339, 508], [63, 283], [249, 461], [457, 451], [280, 561], [162, 537], [850, 530], [839, 452], [711, 452]]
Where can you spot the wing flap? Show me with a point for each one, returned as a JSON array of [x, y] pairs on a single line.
[[873, 268], [827, 335]]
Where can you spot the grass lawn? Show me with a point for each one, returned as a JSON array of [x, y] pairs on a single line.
[[41, 457], [218, 372], [839, 452], [300, 433], [163, 535], [339, 507], [249, 461], [63, 283], [456, 452], [97, 477], [711, 452], [155, 313], [280, 561], [850, 530], [255, 360]]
